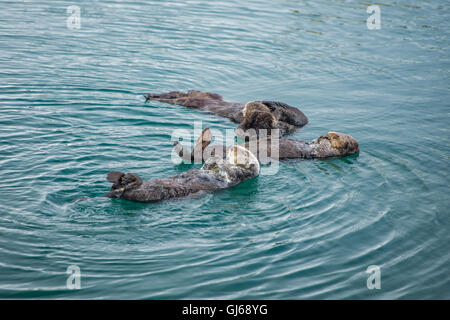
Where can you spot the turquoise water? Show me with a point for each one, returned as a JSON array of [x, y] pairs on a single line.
[[72, 109]]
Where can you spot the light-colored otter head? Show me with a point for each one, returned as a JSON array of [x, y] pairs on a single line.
[[343, 143], [239, 165], [254, 106], [242, 157]]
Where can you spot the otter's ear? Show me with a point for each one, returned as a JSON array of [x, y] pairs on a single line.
[[114, 176]]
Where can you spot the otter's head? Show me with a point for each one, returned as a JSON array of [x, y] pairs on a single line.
[[239, 165], [122, 182], [254, 106], [342, 143], [242, 157], [257, 116]]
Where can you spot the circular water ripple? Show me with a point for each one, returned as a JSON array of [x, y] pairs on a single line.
[[72, 110]]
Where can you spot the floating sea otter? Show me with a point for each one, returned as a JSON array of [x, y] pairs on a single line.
[[265, 119], [267, 114], [256, 117], [333, 144], [217, 173]]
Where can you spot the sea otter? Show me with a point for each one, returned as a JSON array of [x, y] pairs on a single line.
[[331, 145], [271, 114], [217, 173], [257, 120]]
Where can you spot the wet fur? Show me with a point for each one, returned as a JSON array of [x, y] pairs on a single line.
[[257, 120], [215, 174], [333, 144], [287, 118]]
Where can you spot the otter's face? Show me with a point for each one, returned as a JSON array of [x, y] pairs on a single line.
[[213, 164], [254, 106], [342, 143], [242, 157], [239, 165], [256, 117]]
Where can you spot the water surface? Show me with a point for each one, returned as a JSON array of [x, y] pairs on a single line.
[[72, 109]]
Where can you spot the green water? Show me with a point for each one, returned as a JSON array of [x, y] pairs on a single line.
[[72, 109]]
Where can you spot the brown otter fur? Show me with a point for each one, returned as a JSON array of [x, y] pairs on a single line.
[[261, 115], [217, 173], [254, 106], [257, 120], [207, 101], [333, 144], [287, 118]]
